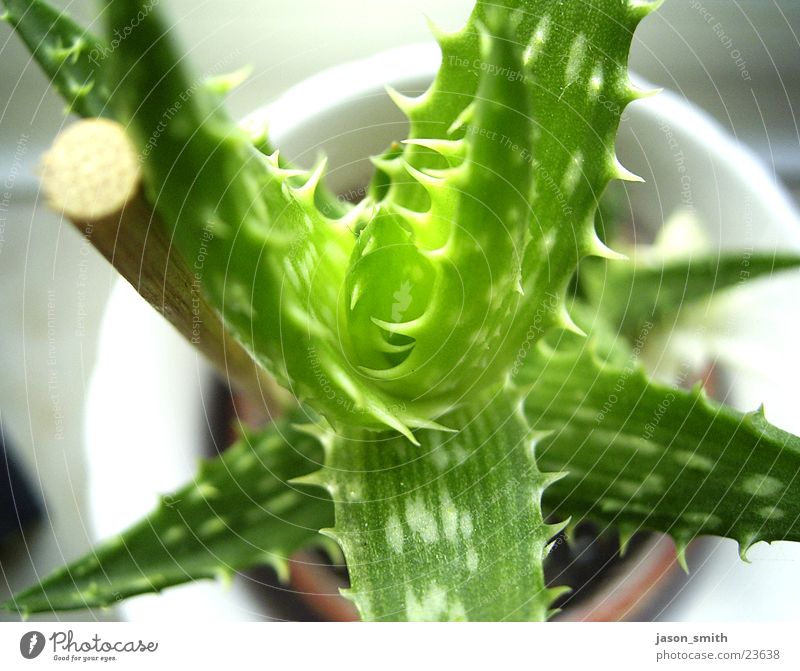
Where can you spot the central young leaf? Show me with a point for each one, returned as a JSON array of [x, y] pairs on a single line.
[[486, 212]]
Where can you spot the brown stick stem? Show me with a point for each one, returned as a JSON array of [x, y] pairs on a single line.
[[92, 175]]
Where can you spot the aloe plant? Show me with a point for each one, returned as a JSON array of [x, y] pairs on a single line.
[[452, 341]]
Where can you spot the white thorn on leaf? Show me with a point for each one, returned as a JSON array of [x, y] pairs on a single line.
[[463, 119], [566, 322], [641, 94], [423, 178], [307, 191], [390, 420], [405, 104], [621, 172], [454, 149], [598, 248]]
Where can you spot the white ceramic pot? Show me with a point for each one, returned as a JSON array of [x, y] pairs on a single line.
[[145, 415]]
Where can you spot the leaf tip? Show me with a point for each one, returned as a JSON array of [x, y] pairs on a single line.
[[305, 193], [441, 36], [406, 104], [598, 248], [626, 534], [281, 568], [620, 172], [745, 544], [566, 322], [680, 555], [637, 93], [640, 9]]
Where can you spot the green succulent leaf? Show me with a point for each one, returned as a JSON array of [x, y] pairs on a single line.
[[492, 203], [648, 290], [238, 513], [450, 530], [643, 455], [272, 263], [69, 54], [466, 246]]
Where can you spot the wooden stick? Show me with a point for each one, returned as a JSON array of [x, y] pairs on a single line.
[[93, 176]]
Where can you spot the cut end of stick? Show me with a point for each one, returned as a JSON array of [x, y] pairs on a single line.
[[91, 170]]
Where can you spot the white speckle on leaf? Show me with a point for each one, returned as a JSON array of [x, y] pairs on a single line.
[[628, 488], [245, 462], [440, 458], [610, 505], [761, 485], [771, 513], [421, 520], [450, 455], [550, 239], [615, 505], [482, 335], [460, 455], [472, 560], [572, 173], [278, 505], [596, 81], [457, 612], [305, 273], [290, 272], [694, 461], [653, 484], [513, 213], [449, 517], [211, 527], [206, 491], [174, 534], [431, 607], [311, 257], [394, 533], [628, 441], [537, 41], [577, 54], [466, 525]]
